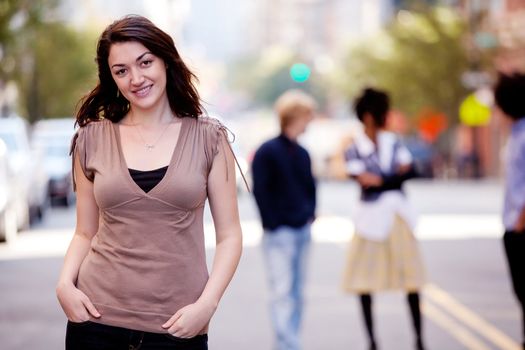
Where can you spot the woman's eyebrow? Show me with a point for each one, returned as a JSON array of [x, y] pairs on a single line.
[[138, 59]]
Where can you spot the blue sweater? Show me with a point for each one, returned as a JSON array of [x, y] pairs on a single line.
[[283, 184]]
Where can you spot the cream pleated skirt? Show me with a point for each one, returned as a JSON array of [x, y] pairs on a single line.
[[394, 263]]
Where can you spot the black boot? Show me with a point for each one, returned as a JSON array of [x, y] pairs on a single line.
[[366, 307], [415, 312], [419, 344]]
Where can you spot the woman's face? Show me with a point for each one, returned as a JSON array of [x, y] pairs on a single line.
[[140, 75]]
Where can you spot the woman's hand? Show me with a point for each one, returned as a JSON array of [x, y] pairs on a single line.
[[520, 226], [367, 179], [403, 169], [190, 320], [520, 223], [76, 305]]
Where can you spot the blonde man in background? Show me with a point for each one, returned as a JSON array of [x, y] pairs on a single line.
[[284, 189]]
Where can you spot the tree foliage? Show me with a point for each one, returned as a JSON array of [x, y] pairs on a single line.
[[267, 76], [50, 63], [419, 59], [19, 20], [63, 71]]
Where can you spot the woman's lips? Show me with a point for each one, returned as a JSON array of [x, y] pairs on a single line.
[[143, 91]]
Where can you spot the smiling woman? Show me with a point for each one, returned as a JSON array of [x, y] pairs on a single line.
[[145, 160], [140, 76]]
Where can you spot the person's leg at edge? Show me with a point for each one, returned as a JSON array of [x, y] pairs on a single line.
[[366, 307], [515, 251], [415, 312], [278, 248]]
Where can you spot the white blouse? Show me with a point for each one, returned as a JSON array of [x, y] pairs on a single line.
[[374, 219]]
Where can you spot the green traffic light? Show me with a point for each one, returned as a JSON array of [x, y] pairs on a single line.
[[300, 72]]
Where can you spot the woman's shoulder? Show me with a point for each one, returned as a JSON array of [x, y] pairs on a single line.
[[210, 126], [92, 135], [209, 131], [207, 121], [101, 123], [96, 127], [85, 134]]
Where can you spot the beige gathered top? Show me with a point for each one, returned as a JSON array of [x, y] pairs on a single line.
[[147, 259]]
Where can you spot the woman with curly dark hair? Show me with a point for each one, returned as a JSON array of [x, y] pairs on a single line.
[[145, 160], [384, 253]]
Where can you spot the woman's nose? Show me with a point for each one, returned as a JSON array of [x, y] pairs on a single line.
[[136, 77]]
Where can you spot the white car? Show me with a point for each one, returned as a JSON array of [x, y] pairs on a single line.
[[8, 224], [29, 177]]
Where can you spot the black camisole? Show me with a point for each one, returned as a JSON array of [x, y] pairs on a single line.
[[148, 179]]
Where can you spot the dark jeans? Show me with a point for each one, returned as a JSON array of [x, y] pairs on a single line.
[[95, 336], [515, 249]]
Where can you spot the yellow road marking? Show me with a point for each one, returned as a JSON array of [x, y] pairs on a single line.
[[463, 335], [469, 318]]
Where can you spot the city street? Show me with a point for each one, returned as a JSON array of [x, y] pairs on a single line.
[[467, 303]]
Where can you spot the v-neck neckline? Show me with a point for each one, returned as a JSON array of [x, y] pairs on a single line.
[[124, 167]]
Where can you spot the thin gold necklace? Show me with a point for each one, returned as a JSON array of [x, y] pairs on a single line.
[[150, 146]]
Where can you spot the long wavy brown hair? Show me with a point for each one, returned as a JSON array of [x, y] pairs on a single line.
[[104, 101]]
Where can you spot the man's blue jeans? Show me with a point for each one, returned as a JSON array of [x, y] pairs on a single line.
[[286, 252]]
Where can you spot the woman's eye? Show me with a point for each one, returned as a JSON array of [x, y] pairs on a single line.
[[146, 63], [120, 72]]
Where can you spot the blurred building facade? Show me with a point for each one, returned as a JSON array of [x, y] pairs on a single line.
[[170, 15], [97, 13], [220, 30], [497, 27], [509, 27], [314, 28]]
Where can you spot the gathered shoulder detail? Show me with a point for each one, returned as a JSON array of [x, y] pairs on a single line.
[[82, 146], [218, 138]]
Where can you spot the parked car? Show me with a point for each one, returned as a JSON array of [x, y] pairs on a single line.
[[29, 177], [53, 138], [8, 224]]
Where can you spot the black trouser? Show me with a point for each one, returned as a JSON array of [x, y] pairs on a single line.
[[515, 249], [95, 336]]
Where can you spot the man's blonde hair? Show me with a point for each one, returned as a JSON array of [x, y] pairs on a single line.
[[292, 104]]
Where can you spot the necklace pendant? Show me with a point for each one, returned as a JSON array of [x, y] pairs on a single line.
[[149, 147]]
